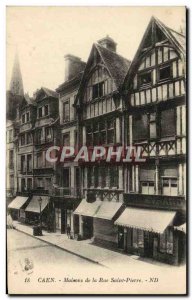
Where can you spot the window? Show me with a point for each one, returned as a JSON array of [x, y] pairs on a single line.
[[140, 127], [166, 242], [29, 138], [66, 181], [165, 73], [39, 159], [22, 139], [22, 163], [145, 79], [39, 136], [137, 238], [66, 111], [168, 126], [27, 117], [147, 187], [29, 184], [40, 183], [113, 176], [152, 126], [40, 112], [89, 177], [46, 110], [110, 131], [23, 118], [96, 177], [10, 135], [169, 186], [66, 139], [147, 181], [23, 187], [95, 133], [98, 90], [48, 183], [29, 163], [11, 159], [48, 134]]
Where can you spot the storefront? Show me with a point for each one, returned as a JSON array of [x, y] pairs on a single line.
[[149, 233], [105, 232], [86, 211], [17, 208], [37, 210]]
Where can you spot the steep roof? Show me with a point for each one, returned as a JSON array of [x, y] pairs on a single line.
[[50, 93], [116, 64]]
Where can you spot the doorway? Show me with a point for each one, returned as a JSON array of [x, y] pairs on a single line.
[[88, 227], [148, 244], [120, 237]]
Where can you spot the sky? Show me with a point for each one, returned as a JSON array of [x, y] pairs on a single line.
[[44, 35]]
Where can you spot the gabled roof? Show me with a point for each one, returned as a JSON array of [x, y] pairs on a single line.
[[176, 39], [116, 64], [47, 92]]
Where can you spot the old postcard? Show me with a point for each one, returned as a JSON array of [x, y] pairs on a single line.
[[96, 150]]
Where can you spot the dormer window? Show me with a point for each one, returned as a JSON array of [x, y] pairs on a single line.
[[165, 73], [27, 116], [145, 79], [46, 110]]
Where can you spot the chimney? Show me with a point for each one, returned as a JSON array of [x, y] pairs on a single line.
[[73, 65], [108, 43]]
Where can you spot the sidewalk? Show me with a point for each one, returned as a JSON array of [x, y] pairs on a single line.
[[85, 249]]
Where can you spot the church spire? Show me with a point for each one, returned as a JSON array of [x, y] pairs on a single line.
[[16, 84]]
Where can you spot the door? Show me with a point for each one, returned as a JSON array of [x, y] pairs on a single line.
[[120, 237], [148, 244], [88, 227]]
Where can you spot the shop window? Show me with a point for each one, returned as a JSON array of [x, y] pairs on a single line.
[[46, 110], [147, 187], [66, 111], [137, 238], [40, 112], [169, 186], [168, 126], [140, 127], [166, 242], [145, 79], [165, 73]]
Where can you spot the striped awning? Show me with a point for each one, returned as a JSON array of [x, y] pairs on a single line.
[[146, 219], [18, 202], [108, 210], [34, 205], [87, 208]]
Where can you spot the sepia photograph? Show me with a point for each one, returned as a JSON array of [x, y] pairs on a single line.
[[96, 122]]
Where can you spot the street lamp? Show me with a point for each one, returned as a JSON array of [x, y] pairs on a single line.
[[40, 202]]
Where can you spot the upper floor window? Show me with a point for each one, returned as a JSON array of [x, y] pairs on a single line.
[[22, 139], [11, 159], [27, 117], [100, 133], [168, 126], [29, 163], [66, 111], [140, 127], [10, 135], [145, 79], [39, 136], [23, 118], [29, 138], [165, 72], [48, 134], [40, 112], [98, 90], [46, 110], [66, 139]]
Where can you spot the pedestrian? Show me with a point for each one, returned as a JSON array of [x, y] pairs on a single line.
[[68, 231]]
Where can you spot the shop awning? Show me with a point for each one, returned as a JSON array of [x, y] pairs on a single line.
[[181, 228], [146, 219], [108, 210], [87, 209], [18, 202], [34, 205]]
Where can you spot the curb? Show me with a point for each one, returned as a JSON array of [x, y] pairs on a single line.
[[61, 248]]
